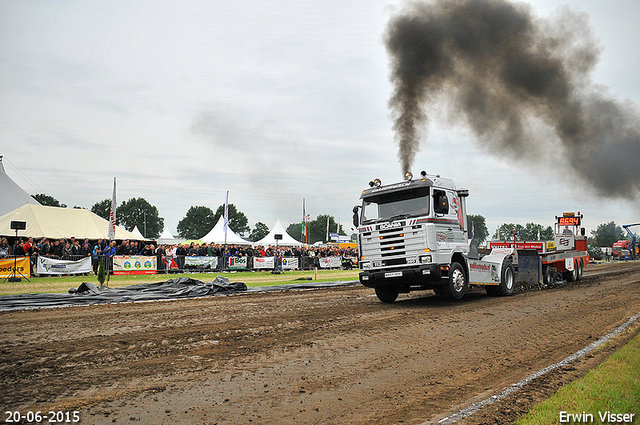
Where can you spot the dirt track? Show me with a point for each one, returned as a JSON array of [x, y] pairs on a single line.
[[335, 356]]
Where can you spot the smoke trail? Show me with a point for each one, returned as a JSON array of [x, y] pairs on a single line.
[[521, 83]]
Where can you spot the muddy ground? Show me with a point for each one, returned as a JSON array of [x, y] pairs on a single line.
[[327, 356]]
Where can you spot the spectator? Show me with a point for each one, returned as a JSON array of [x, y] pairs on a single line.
[[4, 248], [95, 256], [67, 251]]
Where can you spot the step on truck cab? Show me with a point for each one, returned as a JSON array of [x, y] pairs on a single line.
[[413, 235]]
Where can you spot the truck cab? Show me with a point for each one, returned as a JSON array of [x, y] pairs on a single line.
[[409, 232]]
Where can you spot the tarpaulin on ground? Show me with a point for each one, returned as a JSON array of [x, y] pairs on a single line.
[[89, 293], [179, 288]]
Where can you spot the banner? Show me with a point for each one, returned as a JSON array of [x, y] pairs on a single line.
[[264, 262], [237, 263], [330, 262], [290, 263], [22, 267], [111, 233], [134, 264], [211, 262], [52, 266]]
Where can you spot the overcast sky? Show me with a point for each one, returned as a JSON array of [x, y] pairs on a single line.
[[275, 101]]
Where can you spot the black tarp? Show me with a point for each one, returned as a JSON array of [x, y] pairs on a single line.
[[179, 288]]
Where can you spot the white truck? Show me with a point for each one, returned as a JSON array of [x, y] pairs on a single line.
[[413, 235]]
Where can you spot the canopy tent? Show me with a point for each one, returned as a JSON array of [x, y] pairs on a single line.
[[136, 232], [56, 223], [216, 235], [166, 238], [12, 196], [270, 239]]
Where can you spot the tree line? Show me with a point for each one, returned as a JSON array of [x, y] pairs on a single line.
[[199, 220]]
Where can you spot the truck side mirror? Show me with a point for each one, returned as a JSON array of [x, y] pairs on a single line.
[[356, 211]]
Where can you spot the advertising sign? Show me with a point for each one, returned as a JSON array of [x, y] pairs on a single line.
[[211, 262], [22, 267], [52, 266], [237, 263], [134, 264], [264, 262], [290, 263], [330, 262]]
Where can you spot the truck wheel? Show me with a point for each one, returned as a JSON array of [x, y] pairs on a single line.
[[387, 294], [507, 281], [458, 284]]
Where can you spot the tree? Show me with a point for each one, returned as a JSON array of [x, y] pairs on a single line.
[[197, 223], [606, 234], [528, 232], [102, 209], [237, 220], [139, 212], [477, 227], [317, 229], [47, 200], [259, 231]]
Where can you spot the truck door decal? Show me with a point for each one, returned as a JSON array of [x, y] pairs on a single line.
[[458, 210]]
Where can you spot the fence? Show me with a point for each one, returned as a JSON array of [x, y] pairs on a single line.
[[138, 264]]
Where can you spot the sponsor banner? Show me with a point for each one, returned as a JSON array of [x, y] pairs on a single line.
[[290, 263], [237, 263], [211, 262], [484, 273], [134, 264], [264, 262], [330, 262], [22, 267], [52, 266]]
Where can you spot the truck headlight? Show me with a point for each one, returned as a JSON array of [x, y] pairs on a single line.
[[366, 265], [425, 259]]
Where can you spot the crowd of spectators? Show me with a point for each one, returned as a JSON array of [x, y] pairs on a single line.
[[73, 249]]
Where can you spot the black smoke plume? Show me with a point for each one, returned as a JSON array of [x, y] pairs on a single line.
[[521, 83]]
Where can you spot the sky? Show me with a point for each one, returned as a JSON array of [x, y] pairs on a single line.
[[275, 101]]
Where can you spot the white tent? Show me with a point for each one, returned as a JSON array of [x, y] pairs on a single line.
[[136, 232], [216, 235], [12, 196], [167, 238], [56, 223], [270, 239]]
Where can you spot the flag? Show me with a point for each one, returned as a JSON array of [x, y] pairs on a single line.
[[538, 234], [303, 228], [111, 234], [226, 214]]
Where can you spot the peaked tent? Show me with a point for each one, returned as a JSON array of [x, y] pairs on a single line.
[[56, 223], [216, 235], [12, 196], [136, 232], [270, 239], [167, 238]]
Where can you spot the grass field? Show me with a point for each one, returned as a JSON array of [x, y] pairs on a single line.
[[612, 388], [38, 285]]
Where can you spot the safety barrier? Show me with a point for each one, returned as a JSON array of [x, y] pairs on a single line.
[[140, 264]]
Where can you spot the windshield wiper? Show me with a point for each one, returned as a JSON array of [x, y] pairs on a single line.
[[398, 216]]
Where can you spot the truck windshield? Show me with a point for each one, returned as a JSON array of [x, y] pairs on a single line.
[[396, 205]]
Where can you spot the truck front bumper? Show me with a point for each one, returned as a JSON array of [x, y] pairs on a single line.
[[428, 275]]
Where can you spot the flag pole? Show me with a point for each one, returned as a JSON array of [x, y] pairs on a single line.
[[225, 227]]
